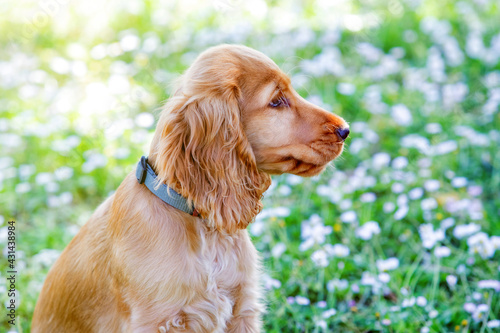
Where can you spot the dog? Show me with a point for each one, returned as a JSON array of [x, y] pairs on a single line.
[[143, 263]]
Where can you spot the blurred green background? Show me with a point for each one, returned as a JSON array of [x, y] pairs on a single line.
[[401, 235]]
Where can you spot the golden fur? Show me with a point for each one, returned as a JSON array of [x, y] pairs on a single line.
[[140, 265]]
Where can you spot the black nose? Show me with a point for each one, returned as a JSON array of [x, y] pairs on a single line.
[[342, 132]]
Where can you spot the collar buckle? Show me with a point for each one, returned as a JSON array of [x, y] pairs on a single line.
[[144, 165]]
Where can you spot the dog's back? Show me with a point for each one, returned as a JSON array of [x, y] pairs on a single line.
[[78, 287]]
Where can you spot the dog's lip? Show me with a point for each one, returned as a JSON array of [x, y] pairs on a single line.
[[332, 151], [312, 171]]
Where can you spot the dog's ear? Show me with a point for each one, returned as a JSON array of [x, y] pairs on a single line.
[[203, 153]]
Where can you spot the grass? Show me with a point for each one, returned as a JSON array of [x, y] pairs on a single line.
[[72, 89]]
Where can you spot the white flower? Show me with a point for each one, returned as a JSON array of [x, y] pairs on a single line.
[[346, 88], [474, 190], [346, 204], [495, 241], [23, 188], [384, 277], [421, 301], [388, 264], [401, 115], [313, 232], [348, 217], [415, 141], [320, 258], [337, 250], [429, 203], [493, 323], [65, 198], [284, 190], [435, 65], [337, 284], [451, 280], [389, 207], [380, 160], [46, 257], [368, 197], [322, 324], [367, 230], [300, 300], [328, 313], [121, 153], [447, 223], [25, 171], [321, 304], [443, 148], [43, 178], [6, 162], [433, 128], [397, 188], [274, 212], [386, 322], [432, 185], [465, 230], [145, 119], [63, 173], [52, 187], [454, 93], [118, 84], [408, 302], [442, 251], [399, 162], [270, 283], [481, 244], [294, 179], [367, 279], [401, 212], [478, 313], [129, 42], [477, 296], [278, 250], [59, 65], [94, 161], [429, 236], [458, 182], [469, 307], [257, 228], [416, 193], [402, 200], [489, 284], [53, 201], [433, 314]]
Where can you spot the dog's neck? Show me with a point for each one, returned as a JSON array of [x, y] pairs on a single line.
[[212, 206]]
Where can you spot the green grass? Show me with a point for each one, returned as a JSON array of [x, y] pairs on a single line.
[[47, 103]]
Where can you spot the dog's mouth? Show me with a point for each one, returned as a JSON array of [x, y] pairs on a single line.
[[305, 169], [312, 170], [312, 161]]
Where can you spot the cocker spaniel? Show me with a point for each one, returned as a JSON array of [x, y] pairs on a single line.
[[142, 265]]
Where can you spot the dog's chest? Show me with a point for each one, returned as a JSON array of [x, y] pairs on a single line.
[[221, 258]]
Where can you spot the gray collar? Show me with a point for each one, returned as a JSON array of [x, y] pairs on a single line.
[[146, 175]]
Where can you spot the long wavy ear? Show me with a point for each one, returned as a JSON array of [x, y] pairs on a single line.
[[201, 151]]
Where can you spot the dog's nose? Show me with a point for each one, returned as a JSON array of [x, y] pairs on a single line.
[[342, 132]]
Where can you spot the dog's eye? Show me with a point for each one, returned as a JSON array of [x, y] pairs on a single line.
[[278, 101]]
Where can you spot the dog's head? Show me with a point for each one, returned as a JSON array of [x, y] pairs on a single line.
[[233, 120]]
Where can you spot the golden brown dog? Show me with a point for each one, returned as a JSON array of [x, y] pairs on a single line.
[[140, 265]]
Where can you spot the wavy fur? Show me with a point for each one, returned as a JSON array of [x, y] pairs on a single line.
[[201, 150]]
